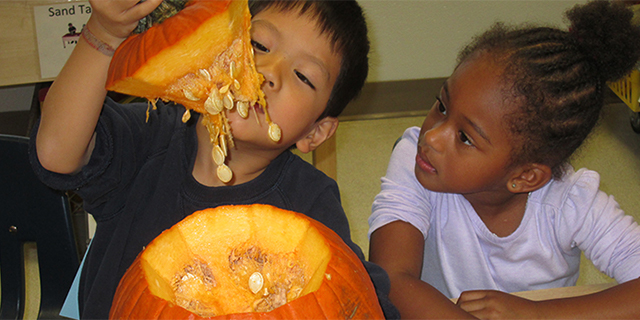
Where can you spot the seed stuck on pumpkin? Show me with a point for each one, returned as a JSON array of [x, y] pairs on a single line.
[[224, 89], [256, 282], [221, 96], [214, 104], [204, 73], [189, 95], [228, 101], [233, 71]]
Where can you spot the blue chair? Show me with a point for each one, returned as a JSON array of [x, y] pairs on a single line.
[[32, 212]]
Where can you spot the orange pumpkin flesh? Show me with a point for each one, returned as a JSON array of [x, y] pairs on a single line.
[[165, 60], [202, 58], [203, 267]]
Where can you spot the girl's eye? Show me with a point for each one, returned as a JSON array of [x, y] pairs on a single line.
[[304, 79], [441, 106], [259, 46], [464, 139]]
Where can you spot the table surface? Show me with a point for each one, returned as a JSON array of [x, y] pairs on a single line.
[[564, 292]]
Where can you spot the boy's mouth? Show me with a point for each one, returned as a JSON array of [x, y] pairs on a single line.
[[258, 108]]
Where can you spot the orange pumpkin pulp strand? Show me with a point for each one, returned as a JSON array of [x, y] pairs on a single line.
[[206, 265], [202, 58]]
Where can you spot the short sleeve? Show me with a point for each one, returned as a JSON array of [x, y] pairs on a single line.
[[402, 197]]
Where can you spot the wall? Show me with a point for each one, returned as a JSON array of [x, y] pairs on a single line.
[[420, 39], [411, 39]]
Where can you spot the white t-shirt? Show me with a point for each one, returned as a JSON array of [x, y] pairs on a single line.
[[562, 219]]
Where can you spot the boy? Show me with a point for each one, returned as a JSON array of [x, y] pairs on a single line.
[[138, 178]]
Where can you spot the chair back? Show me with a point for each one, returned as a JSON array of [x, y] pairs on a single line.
[[32, 212]]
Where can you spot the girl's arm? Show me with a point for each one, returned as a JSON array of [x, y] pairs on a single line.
[[618, 302], [71, 109], [398, 247]]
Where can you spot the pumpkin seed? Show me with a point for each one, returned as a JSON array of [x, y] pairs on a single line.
[[275, 133], [224, 173], [205, 74], [189, 95], [236, 84], [228, 101], [243, 108], [186, 116], [224, 89], [223, 144], [213, 104], [256, 282], [218, 155], [233, 71]]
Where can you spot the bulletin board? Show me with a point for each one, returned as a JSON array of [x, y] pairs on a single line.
[[59, 21]]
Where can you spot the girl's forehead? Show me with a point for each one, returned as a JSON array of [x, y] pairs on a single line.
[[477, 88]]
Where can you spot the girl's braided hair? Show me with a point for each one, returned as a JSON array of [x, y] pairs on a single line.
[[558, 78]]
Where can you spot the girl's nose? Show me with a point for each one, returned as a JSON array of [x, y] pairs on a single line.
[[436, 137]]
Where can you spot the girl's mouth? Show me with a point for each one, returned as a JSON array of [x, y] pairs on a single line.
[[424, 164]]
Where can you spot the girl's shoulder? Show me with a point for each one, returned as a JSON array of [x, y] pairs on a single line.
[[575, 186]]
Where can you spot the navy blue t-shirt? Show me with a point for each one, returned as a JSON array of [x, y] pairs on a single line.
[[139, 183]]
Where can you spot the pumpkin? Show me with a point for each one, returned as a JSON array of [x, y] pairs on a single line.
[[246, 262], [200, 57]]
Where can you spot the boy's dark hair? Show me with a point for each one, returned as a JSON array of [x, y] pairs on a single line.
[[344, 23], [558, 78]]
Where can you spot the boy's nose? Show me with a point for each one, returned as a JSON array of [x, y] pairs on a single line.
[[270, 69]]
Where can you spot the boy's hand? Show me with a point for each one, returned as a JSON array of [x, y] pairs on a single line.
[[490, 304], [113, 20]]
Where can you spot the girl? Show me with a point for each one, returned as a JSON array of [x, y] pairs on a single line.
[[488, 201]]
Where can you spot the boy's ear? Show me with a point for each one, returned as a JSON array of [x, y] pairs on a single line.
[[322, 130], [529, 178]]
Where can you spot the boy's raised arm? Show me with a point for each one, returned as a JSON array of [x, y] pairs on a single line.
[[74, 101]]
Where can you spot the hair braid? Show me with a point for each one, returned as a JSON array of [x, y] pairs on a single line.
[[556, 78]]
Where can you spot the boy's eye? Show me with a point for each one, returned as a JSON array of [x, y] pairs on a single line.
[[259, 46], [304, 79], [464, 139]]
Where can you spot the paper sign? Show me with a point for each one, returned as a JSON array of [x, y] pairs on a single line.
[[58, 29]]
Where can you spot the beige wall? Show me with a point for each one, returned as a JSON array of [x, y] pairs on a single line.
[[413, 39]]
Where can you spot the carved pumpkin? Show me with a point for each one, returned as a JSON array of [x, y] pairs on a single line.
[[200, 57], [246, 262]]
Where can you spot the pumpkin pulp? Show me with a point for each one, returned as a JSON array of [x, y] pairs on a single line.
[[167, 59], [201, 58], [206, 262]]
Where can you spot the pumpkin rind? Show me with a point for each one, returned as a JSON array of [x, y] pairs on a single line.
[[162, 61], [201, 58], [344, 291]]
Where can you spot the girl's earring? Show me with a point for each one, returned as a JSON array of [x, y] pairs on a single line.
[[513, 185]]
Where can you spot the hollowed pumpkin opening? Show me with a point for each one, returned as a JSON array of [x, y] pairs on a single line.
[[235, 261], [246, 262]]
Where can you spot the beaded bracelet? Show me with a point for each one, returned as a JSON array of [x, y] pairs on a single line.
[[96, 43]]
